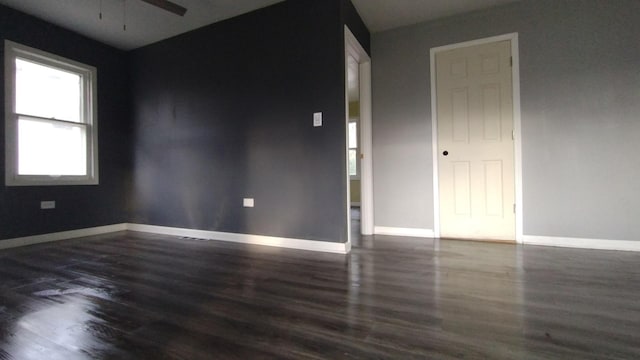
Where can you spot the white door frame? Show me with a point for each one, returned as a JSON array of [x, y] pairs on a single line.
[[353, 48], [515, 70]]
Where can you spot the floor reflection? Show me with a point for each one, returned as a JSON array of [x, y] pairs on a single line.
[[479, 293], [63, 320]]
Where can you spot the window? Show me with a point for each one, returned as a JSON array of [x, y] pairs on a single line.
[[354, 164], [50, 119]]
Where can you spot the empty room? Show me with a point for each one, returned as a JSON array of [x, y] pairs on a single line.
[[320, 179]]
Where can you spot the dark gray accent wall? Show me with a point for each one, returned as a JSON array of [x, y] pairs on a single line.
[[580, 75], [76, 206], [354, 22], [225, 112]]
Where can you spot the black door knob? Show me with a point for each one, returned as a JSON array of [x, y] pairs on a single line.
[[445, 153]]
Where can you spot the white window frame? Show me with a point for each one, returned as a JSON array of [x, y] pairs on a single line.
[[357, 149], [89, 76]]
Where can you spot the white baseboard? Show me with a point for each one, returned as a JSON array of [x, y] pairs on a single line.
[[63, 235], [582, 243], [311, 245], [300, 244], [396, 231]]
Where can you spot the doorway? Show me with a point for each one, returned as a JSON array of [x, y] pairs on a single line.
[[476, 140], [353, 144], [358, 142]]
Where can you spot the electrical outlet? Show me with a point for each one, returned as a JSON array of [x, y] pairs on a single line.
[[47, 204], [317, 119], [247, 202]]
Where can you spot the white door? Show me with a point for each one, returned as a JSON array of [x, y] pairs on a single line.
[[476, 172]]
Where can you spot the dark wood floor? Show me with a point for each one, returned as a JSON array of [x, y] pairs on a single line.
[[141, 296]]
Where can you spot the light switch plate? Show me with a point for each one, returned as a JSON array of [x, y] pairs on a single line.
[[247, 202], [317, 119], [47, 204]]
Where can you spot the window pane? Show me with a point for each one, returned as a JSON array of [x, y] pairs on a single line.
[[47, 92], [353, 135], [353, 162], [51, 148]]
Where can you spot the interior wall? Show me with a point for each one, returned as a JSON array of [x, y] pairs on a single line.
[[579, 85], [225, 112], [76, 206], [356, 194], [350, 17]]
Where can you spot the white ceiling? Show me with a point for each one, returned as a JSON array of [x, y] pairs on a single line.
[[380, 15], [146, 24]]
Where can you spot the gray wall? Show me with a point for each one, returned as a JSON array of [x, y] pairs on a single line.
[[580, 94]]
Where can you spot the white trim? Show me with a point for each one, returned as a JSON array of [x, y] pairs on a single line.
[[366, 145], [311, 245], [581, 243], [300, 244], [355, 49], [63, 235], [517, 127], [434, 144], [517, 130], [396, 231], [346, 104]]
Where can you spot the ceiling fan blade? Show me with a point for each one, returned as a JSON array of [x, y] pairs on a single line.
[[168, 5]]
